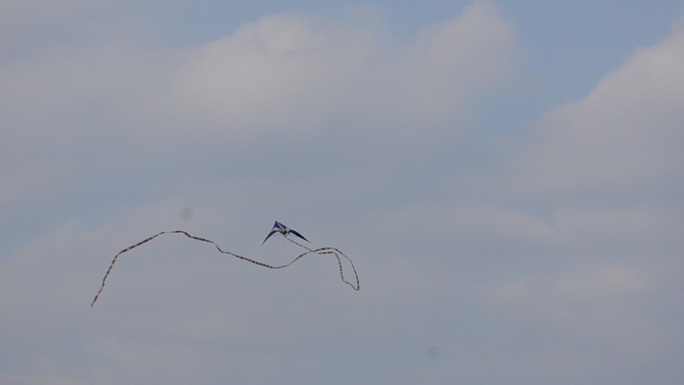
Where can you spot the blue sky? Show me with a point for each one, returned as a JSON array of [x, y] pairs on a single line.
[[505, 176]]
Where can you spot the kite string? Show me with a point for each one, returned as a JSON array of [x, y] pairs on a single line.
[[322, 250]]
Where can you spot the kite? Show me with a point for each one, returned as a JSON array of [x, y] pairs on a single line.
[[282, 229], [277, 228]]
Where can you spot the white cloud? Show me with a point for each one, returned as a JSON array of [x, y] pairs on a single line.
[[289, 73], [281, 72], [119, 105], [465, 224], [627, 232], [19, 16], [456, 61], [601, 176], [623, 136], [607, 303]]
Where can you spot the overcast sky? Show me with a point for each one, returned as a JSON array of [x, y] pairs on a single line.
[[506, 176]]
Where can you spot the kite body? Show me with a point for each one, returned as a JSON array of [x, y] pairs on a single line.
[[277, 228]]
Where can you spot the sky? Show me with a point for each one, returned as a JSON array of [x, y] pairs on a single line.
[[506, 177]]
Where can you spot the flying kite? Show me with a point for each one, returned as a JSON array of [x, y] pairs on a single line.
[[277, 228], [282, 229]]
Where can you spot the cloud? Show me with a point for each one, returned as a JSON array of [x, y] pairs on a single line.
[[548, 255], [19, 16], [281, 72], [600, 176], [620, 138], [291, 75], [592, 300]]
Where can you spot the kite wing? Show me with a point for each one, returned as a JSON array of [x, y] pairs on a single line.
[[269, 235], [290, 231]]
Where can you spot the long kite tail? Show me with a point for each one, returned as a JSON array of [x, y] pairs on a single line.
[[320, 251]]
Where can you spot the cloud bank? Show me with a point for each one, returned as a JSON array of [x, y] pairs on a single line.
[[550, 254]]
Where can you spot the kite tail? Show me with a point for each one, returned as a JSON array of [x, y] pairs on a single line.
[[111, 265], [334, 251]]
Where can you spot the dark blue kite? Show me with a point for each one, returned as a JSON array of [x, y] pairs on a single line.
[[282, 229]]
